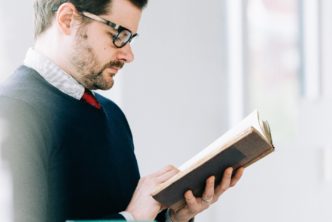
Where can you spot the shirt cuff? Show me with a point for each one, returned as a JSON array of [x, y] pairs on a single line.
[[168, 216], [128, 216]]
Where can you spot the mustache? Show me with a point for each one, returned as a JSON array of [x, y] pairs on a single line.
[[116, 63]]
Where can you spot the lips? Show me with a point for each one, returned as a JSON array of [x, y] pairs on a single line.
[[114, 69]]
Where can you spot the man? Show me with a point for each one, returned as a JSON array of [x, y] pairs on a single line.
[[70, 151]]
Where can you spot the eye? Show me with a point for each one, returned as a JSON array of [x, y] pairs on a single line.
[[111, 35]]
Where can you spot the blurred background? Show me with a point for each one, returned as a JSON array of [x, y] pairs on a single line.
[[200, 67]]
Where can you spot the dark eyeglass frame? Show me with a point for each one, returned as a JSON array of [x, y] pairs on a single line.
[[118, 28]]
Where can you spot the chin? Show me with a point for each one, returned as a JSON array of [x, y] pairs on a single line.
[[105, 85], [103, 82]]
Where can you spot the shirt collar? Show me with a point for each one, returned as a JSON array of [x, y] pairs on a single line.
[[53, 74]]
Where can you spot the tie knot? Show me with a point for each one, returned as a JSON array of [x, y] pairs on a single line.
[[89, 98]]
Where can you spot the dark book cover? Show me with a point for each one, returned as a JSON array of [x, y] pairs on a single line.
[[247, 149]]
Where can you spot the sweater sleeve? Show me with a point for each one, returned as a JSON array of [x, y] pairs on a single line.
[[22, 150]]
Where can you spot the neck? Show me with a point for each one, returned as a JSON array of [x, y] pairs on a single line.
[[53, 47]]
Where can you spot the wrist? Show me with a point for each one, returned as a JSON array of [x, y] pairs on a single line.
[[173, 217], [141, 214]]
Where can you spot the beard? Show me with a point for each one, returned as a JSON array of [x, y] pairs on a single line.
[[100, 78], [89, 72]]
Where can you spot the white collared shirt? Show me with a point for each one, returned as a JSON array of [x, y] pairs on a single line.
[[53, 74]]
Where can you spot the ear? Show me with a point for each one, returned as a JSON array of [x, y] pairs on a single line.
[[65, 18]]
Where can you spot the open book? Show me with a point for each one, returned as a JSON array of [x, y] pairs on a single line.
[[241, 146]]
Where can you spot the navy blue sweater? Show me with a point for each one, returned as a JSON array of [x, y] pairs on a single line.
[[68, 159]]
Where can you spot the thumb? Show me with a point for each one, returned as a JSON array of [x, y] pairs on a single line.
[[167, 174]]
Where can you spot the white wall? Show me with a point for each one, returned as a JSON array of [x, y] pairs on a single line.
[[174, 94], [16, 34]]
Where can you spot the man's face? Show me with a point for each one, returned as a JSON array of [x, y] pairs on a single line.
[[94, 56]]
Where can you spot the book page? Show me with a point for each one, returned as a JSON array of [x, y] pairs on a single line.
[[252, 120]]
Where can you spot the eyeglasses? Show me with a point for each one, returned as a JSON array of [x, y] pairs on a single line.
[[122, 36]]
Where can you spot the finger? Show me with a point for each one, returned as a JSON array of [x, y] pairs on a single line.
[[191, 201], [225, 182], [237, 176], [208, 194], [164, 170]]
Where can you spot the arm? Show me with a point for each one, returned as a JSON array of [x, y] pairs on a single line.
[[22, 149]]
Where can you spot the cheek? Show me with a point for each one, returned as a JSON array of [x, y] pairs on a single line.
[[106, 53], [101, 53], [102, 48]]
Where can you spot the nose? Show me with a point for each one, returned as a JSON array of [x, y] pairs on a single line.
[[126, 54]]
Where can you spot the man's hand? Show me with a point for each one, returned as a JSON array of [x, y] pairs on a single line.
[[196, 205], [142, 205]]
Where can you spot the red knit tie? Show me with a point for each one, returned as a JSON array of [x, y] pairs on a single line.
[[89, 98]]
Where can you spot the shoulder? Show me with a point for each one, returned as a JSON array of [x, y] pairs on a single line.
[[23, 83], [22, 74], [21, 96], [14, 91], [27, 86]]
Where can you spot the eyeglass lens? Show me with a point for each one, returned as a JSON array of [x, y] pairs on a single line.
[[122, 38]]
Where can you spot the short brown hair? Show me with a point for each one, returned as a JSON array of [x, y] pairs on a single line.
[[45, 10]]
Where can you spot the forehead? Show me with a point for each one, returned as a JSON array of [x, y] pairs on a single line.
[[124, 13]]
